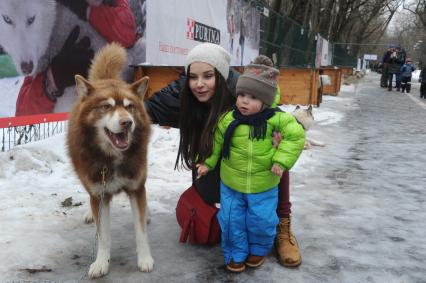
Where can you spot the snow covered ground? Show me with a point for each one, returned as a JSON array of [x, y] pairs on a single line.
[[39, 232]]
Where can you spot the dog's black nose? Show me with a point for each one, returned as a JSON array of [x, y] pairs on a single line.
[[27, 67], [126, 123]]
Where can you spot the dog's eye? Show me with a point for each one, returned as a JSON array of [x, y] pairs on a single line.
[[106, 107], [30, 20], [7, 19], [130, 107]]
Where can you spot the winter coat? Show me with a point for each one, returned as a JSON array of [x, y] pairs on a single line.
[[31, 99], [164, 106], [277, 99], [386, 57], [114, 23], [248, 169], [422, 77], [406, 70], [395, 63]]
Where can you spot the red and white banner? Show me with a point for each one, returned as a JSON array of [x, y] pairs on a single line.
[[175, 27]]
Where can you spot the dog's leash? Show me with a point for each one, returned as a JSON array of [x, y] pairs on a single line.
[[104, 172]]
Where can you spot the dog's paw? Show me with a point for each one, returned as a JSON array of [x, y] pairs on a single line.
[[99, 268], [146, 263], [88, 217], [307, 145]]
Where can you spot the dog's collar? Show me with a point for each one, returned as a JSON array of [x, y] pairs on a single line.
[[104, 172]]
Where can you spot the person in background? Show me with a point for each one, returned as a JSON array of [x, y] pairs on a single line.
[[422, 79], [406, 71], [251, 167], [113, 19], [384, 78], [402, 56], [242, 38], [395, 60]]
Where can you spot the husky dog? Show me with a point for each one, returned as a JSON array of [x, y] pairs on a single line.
[[25, 30], [32, 32], [306, 119], [107, 141]]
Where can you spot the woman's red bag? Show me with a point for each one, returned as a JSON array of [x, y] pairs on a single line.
[[197, 219]]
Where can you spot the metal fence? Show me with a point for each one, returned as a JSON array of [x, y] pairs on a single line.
[[289, 43], [15, 131], [341, 57]]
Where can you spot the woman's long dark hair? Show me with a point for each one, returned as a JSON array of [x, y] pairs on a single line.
[[198, 121]]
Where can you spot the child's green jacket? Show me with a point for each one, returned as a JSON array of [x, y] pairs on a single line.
[[248, 169]]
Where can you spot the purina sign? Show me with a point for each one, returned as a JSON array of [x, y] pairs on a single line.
[[201, 32]]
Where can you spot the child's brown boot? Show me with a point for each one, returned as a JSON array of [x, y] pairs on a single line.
[[286, 244], [236, 267], [255, 261]]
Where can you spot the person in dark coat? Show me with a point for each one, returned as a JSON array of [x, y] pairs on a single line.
[[384, 78], [422, 80], [395, 60]]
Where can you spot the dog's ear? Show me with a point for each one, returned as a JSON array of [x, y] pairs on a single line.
[[297, 107], [82, 86], [310, 109], [140, 87]]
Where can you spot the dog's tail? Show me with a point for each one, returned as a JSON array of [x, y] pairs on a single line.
[[108, 63]]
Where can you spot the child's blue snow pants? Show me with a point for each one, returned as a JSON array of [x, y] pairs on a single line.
[[248, 223]]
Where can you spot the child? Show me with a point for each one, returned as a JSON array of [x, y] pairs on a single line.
[[251, 167], [406, 71]]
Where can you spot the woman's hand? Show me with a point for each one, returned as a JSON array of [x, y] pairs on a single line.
[[201, 170], [276, 139], [277, 170]]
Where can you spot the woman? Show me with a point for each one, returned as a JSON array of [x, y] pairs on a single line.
[[203, 93]]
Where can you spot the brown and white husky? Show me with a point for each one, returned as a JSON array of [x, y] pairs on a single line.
[[107, 142]]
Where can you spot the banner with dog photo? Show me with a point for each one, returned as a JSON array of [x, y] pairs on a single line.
[[175, 27], [49, 41]]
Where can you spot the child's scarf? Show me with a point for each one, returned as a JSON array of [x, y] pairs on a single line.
[[257, 123]]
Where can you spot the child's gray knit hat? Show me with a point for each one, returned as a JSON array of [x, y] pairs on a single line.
[[259, 81]]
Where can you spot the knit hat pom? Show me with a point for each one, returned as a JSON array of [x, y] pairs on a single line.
[[212, 54], [259, 81]]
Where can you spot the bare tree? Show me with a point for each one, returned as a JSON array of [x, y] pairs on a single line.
[[418, 8]]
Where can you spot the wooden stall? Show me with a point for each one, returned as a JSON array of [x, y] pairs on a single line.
[[299, 86], [347, 71], [159, 76], [335, 75]]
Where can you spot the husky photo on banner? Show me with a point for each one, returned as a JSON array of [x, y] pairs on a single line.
[[50, 41]]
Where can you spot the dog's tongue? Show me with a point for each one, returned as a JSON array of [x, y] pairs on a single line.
[[120, 140]]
